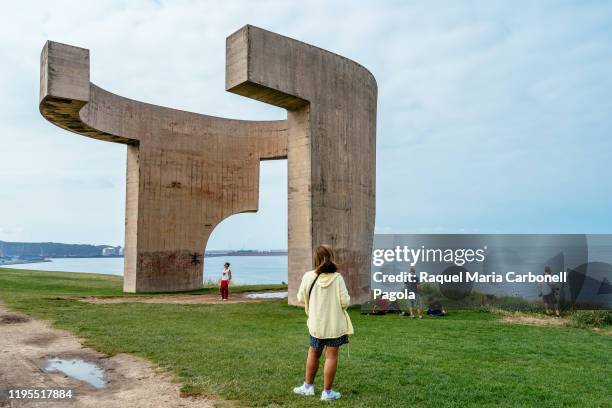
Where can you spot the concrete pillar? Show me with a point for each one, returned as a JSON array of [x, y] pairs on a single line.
[[331, 104]]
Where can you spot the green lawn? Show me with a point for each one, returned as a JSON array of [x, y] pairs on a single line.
[[254, 353]]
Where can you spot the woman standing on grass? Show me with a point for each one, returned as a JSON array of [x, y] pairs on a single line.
[[325, 300], [226, 277]]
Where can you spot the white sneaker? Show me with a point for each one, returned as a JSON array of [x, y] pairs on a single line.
[[330, 395], [304, 390]]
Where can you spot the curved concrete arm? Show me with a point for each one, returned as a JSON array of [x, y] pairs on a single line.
[[288, 73], [69, 100], [65, 89]]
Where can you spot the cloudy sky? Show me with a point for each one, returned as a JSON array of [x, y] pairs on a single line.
[[492, 117]]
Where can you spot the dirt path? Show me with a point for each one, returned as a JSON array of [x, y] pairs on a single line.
[[209, 298], [25, 344]]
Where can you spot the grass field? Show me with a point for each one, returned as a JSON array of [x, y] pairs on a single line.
[[254, 353]]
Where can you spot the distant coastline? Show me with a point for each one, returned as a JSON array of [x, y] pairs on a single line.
[[22, 261], [213, 254], [37, 251]]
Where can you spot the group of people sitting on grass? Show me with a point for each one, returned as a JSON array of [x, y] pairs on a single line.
[[549, 292], [434, 307]]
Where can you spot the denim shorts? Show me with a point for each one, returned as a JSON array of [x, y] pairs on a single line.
[[320, 343]]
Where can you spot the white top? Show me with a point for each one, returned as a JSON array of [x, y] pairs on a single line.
[[225, 275]]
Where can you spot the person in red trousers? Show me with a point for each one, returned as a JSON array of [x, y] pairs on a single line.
[[226, 277]]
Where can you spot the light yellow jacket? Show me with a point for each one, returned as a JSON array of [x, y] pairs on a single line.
[[326, 310]]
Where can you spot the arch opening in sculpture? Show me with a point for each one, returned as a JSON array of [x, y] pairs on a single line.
[[254, 235]]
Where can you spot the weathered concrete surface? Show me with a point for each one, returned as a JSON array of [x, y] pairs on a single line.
[[331, 104], [187, 172]]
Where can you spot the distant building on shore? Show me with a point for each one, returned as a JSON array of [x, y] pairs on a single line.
[[112, 251]]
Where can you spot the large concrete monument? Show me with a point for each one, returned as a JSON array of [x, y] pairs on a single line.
[[187, 172]]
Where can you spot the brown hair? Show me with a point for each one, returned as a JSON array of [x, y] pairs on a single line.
[[324, 260]]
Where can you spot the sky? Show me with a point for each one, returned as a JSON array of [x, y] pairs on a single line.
[[493, 116]]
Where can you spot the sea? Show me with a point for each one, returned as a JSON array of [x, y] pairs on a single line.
[[245, 269]]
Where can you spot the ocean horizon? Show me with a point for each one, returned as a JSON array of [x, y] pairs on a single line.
[[245, 269]]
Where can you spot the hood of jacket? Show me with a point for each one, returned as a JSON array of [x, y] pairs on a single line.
[[326, 279]]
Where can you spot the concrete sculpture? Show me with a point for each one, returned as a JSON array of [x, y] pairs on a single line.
[[186, 172]]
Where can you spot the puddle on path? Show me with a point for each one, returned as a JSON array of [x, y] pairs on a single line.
[[267, 295], [78, 369]]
